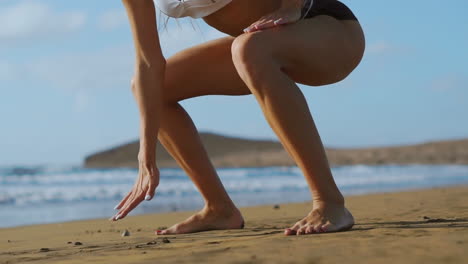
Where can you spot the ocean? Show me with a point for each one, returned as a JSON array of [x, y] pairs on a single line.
[[47, 194]]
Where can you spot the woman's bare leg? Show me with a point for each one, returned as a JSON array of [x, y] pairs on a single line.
[[186, 78], [316, 51]]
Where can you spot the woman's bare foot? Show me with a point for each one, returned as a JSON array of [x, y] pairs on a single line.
[[205, 220], [322, 219]]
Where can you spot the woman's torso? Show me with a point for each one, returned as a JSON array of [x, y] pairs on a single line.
[[232, 16], [239, 14]]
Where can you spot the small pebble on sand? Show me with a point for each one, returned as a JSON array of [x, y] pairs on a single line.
[[125, 233], [44, 250], [78, 243]]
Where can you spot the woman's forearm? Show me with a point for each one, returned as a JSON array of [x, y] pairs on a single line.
[[149, 72], [147, 90]]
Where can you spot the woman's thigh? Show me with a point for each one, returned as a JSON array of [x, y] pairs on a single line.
[[317, 51], [206, 69]]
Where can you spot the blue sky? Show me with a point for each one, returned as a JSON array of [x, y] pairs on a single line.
[[65, 68]]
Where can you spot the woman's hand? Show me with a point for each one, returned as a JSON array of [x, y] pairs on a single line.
[[143, 189], [289, 12]]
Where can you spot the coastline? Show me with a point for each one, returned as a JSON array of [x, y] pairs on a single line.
[[429, 226], [233, 152]]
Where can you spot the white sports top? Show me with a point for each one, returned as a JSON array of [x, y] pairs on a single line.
[[192, 8]]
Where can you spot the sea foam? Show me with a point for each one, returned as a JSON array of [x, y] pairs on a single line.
[[55, 189]]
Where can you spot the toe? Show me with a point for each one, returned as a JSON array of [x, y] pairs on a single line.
[[301, 231], [167, 231], [318, 228], [309, 230], [292, 230], [327, 228], [289, 232]]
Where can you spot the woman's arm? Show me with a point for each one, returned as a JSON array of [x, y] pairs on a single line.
[[147, 89], [289, 12]]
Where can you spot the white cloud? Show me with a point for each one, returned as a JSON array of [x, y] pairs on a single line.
[[28, 20], [112, 19]]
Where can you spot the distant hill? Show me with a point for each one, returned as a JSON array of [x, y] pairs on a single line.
[[237, 152]]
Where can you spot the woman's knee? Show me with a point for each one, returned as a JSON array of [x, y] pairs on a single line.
[[251, 54]]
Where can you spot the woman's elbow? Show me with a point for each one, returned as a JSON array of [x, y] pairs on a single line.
[[155, 65]]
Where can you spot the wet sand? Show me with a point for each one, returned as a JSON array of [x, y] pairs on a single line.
[[425, 226]]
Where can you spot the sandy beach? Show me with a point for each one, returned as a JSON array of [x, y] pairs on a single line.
[[423, 226]]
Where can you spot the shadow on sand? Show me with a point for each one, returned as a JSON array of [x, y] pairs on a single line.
[[426, 223]]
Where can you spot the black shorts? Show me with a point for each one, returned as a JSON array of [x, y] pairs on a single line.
[[333, 8]]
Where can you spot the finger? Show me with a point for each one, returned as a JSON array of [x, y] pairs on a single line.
[[281, 21], [134, 203], [269, 23], [120, 205], [253, 25], [285, 20], [260, 21], [151, 190], [130, 206], [265, 25]]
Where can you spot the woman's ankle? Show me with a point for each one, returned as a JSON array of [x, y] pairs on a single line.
[[226, 207], [321, 201]]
